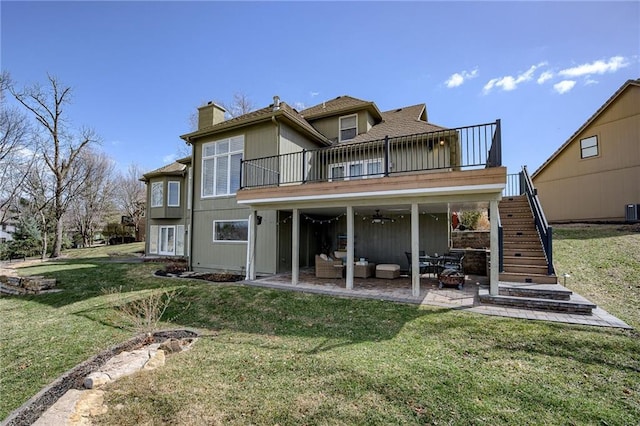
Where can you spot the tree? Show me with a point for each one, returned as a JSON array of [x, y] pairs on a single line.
[[59, 144], [94, 200], [15, 158], [131, 197]]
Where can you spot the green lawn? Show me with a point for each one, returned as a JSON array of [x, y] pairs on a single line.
[[275, 357]]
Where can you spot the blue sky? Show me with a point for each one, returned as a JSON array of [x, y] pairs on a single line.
[[139, 69]]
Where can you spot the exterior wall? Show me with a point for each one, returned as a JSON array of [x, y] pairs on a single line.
[[597, 188], [167, 216], [330, 126], [376, 242], [165, 211], [259, 141]]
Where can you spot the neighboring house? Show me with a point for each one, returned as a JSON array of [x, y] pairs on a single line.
[[6, 231], [595, 174], [264, 192], [168, 209]]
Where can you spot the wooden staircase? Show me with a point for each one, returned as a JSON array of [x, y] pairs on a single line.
[[524, 260]]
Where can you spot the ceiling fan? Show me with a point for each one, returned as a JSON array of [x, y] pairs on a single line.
[[378, 218]]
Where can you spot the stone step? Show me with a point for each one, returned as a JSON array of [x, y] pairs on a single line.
[[581, 307], [519, 277], [536, 291]]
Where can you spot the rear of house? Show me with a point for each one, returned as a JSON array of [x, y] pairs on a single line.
[[271, 189]]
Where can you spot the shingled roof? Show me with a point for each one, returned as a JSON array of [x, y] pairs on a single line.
[[173, 169], [341, 104], [400, 122], [259, 115]]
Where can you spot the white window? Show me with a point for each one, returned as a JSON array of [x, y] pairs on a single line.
[[167, 240], [180, 240], [231, 230], [173, 194], [589, 147], [153, 239], [356, 170], [221, 166], [348, 127], [156, 194]]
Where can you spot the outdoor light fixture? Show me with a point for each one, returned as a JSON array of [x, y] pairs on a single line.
[[378, 218]]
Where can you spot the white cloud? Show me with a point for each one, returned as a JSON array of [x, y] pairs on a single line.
[[509, 82], [169, 158], [547, 75], [457, 79], [597, 67], [314, 94], [564, 86]]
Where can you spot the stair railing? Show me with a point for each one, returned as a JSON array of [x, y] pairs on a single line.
[[544, 230]]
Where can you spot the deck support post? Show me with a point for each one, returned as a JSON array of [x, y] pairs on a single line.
[[415, 250], [350, 245], [295, 246], [494, 274], [251, 252]]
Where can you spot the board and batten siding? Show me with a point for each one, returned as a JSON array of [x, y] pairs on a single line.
[[597, 188]]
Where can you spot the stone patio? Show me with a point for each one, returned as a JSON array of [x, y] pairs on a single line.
[[399, 290]]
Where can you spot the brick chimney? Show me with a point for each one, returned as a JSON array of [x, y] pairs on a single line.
[[210, 114]]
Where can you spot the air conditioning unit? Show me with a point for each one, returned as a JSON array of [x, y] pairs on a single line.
[[632, 212]]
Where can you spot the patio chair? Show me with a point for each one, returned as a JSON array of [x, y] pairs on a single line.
[[454, 261], [328, 268], [424, 266]]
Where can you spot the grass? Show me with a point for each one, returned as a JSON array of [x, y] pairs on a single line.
[[272, 357]]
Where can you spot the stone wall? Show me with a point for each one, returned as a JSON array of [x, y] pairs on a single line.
[[475, 261], [470, 239]]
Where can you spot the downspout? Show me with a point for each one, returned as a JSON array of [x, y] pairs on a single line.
[[193, 202]]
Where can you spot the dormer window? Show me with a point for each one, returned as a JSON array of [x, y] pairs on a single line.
[[348, 127]]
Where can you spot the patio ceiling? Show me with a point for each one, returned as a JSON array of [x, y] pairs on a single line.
[[397, 209]]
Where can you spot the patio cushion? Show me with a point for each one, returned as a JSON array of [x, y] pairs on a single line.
[[387, 267]]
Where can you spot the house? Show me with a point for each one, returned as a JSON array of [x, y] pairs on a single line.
[[6, 231], [265, 192], [169, 203], [595, 174]]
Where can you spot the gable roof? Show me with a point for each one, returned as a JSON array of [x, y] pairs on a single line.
[[342, 104], [404, 121], [173, 169], [257, 116], [623, 88]]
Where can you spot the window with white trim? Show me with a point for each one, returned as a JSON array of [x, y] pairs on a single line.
[[231, 230], [173, 194], [589, 147], [221, 166], [348, 127], [356, 170], [156, 194]]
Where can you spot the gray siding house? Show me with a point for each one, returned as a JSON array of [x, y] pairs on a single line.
[[265, 192]]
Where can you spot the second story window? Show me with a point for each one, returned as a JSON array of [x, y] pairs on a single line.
[[348, 127], [589, 147], [221, 166], [156, 194], [173, 194]]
